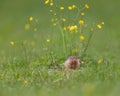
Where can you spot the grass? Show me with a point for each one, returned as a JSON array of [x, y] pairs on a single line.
[[35, 67]]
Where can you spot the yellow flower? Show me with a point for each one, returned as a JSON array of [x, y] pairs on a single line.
[[100, 61], [73, 28], [27, 26], [75, 50], [83, 14], [64, 28], [54, 24], [31, 18], [86, 6], [48, 40], [55, 14], [51, 4], [81, 22], [61, 8], [25, 82], [51, 11], [47, 1], [12, 43], [103, 22], [82, 37], [73, 6], [70, 7], [99, 26], [63, 19]]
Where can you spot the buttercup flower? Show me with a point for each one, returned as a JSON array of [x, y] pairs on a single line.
[[72, 28], [100, 61], [75, 26], [86, 6], [51, 4], [82, 37], [70, 7], [55, 14], [51, 11], [54, 24], [48, 40], [27, 26], [73, 6], [64, 28], [103, 23], [12, 43], [30, 18], [25, 82], [47, 1], [75, 50], [61, 8], [83, 14], [81, 22], [63, 19], [99, 26]]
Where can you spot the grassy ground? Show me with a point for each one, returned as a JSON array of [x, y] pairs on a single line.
[[34, 67]]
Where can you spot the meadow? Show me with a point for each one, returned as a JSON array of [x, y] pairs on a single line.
[[34, 47]]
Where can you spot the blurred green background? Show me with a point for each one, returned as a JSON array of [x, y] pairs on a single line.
[[14, 15]]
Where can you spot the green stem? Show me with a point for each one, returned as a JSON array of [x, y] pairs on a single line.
[[78, 13], [25, 52], [63, 38], [89, 39]]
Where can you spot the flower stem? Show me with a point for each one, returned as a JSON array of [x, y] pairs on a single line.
[[88, 42], [63, 39]]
